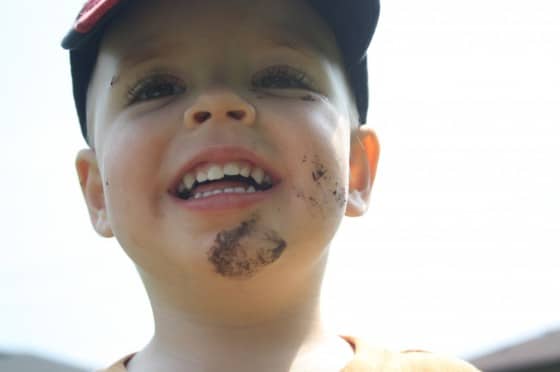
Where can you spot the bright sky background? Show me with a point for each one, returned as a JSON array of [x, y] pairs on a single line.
[[458, 254]]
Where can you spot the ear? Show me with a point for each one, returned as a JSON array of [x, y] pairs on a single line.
[[92, 188], [364, 155]]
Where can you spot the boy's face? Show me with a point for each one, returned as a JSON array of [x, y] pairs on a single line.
[[187, 84]]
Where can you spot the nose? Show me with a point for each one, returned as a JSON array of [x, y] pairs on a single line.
[[220, 105]]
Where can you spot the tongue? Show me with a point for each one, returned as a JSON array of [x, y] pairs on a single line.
[[220, 185]]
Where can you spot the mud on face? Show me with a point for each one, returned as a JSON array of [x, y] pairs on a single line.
[[246, 249], [329, 189]]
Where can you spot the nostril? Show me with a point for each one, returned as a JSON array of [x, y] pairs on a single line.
[[201, 116], [236, 114]]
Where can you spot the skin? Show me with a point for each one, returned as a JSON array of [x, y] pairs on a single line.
[[207, 315]]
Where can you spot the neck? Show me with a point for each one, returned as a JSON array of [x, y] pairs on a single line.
[[239, 326]]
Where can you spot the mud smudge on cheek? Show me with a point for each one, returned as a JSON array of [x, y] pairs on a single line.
[[318, 173], [329, 189], [339, 194], [319, 170], [243, 251], [314, 202]]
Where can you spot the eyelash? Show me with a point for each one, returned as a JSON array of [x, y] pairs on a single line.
[[281, 77], [140, 92], [274, 77]]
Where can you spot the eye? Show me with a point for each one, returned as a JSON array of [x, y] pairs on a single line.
[[155, 87], [281, 77]]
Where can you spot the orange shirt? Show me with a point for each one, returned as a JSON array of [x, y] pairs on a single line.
[[371, 359]]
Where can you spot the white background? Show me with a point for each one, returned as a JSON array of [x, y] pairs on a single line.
[[458, 254]]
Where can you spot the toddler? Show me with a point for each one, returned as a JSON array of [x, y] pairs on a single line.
[[225, 146]]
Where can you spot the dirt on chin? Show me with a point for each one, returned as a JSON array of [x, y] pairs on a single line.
[[246, 249]]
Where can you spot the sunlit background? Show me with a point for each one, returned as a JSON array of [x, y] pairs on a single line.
[[458, 253]]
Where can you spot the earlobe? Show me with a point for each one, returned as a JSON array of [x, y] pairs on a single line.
[[364, 156], [92, 189]]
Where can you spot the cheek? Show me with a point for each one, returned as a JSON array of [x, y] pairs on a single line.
[[324, 186], [131, 166], [317, 136]]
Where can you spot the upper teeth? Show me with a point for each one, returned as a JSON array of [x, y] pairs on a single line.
[[213, 172]]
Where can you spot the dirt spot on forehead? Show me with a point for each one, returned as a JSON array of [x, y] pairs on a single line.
[[244, 250]]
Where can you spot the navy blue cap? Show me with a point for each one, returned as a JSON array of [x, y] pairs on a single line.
[[352, 21]]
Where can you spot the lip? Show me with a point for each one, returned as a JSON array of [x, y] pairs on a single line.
[[222, 154]]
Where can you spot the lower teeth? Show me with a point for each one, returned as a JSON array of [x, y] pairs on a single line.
[[199, 195]]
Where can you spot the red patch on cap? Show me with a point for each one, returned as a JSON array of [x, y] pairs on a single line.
[[91, 13]]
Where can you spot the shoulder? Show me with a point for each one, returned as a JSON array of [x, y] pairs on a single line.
[[416, 360], [370, 358]]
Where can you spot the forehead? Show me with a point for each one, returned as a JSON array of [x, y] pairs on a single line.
[[149, 26]]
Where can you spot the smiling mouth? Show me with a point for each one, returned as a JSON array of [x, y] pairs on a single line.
[[233, 177]]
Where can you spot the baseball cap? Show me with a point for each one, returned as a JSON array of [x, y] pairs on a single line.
[[353, 23]]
